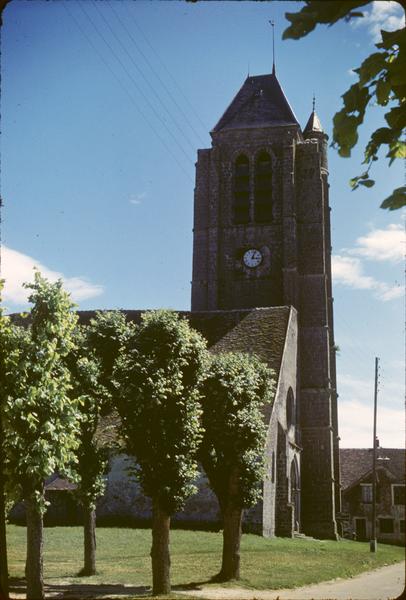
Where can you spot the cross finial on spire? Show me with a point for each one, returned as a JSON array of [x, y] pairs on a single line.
[[272, 23], [314, 101]]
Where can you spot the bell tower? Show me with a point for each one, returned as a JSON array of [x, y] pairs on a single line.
[[240, 201], [261, 239]]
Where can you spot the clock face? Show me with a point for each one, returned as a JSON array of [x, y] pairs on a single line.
[[252, 258]]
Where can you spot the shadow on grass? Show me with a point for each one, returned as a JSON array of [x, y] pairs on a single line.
[[79, 591]]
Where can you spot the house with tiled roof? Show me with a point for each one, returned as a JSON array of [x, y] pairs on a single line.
[[356, 480]]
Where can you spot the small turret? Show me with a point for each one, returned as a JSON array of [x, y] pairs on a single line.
[[314, 130], [313, 126]]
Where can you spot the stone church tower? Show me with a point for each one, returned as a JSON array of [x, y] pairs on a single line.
[[262, 239], [262, 285]]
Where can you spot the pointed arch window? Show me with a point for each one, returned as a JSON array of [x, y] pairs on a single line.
[[241, 190], [263, 188], [290, 408]]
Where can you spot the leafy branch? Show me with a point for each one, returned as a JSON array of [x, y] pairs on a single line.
[[381, 82]]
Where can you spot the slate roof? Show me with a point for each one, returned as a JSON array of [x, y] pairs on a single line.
[[260, 102], [313, 124], [357, 462]]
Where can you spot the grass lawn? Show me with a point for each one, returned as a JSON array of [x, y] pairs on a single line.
[[123, 558]]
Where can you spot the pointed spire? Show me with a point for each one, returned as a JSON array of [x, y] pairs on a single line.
[[260, 102], [273, 47], [313, 125]]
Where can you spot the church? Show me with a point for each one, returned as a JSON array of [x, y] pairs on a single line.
[[262, 284]]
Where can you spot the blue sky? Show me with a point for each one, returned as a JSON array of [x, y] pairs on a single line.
[[103, 107]]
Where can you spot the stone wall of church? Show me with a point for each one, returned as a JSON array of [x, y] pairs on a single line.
[[318, 394], [283, 438], [220, 279], [125, 503]]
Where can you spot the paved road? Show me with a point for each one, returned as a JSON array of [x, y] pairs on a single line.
[[386, 583]]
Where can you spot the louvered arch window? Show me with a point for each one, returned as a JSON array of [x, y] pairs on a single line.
[[241, 190], [263, 188]]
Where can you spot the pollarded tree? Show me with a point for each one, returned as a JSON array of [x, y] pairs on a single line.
[[107, 335], [160, 413], [40, 419], [233, 448], [91, 462], [90, 363]]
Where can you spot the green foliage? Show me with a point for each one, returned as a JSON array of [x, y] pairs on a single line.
[[91, 364], [381, 82], [107, 334], [86, 373], [159, 405], [396, 199], [5, 372], [40, 419], [326, 12], [234, 392]]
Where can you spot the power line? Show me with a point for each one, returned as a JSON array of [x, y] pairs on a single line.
[[81, 5], [145, 79], [124, 88], [111, 5], [169, 73]]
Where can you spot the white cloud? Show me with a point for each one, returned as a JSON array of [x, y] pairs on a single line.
[[382, 244], [137, 198], [351, 72], [18, 268], [355, 425], [348, 271], [388, 16], [355, 412]]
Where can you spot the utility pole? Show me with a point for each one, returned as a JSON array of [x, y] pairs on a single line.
[[373, 543]]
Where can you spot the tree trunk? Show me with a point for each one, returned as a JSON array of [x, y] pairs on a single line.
[[34, 568], [230, 568], [89, 536], [161, 561]]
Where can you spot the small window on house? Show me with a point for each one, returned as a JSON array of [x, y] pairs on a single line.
[[402, 526], [241, 190], [386, 525], [273, 467], [398, 494], [366, 492], [263, 188]]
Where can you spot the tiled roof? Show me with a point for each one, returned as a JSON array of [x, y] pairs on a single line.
[[260, 102], [357, 462], [262, 332]]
